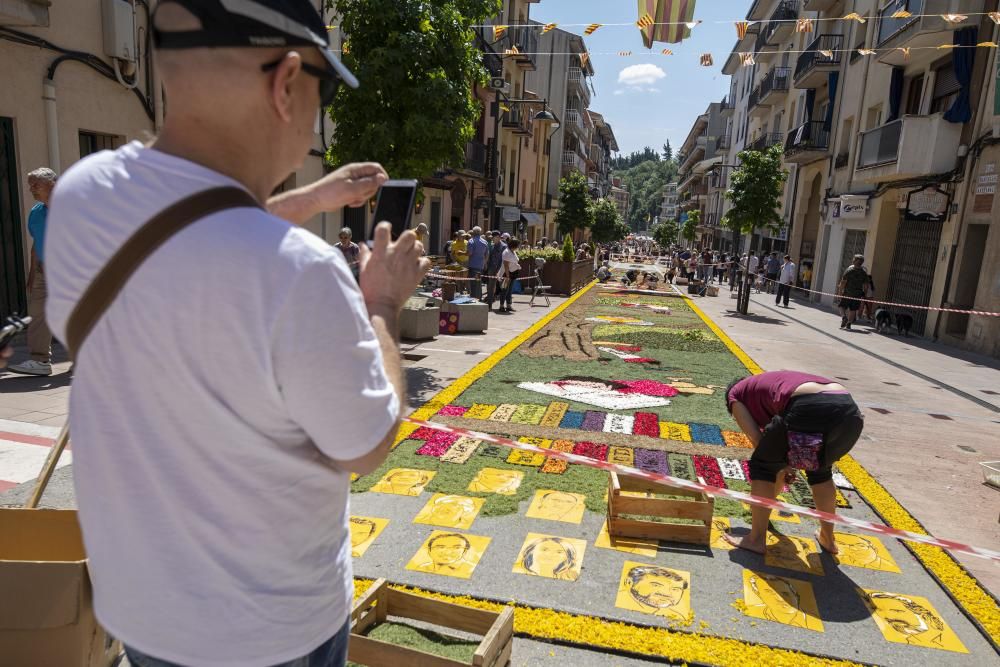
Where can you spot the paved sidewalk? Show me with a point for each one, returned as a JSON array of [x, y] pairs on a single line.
[[931, 411]]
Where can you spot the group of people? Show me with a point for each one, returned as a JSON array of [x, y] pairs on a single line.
[[491, 256]]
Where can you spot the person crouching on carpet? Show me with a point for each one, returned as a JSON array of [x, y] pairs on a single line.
[[796, 421]]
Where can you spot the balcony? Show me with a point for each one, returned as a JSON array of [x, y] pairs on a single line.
[[925, 28], [718, 178], [808, 143], [723, 143], [526, 41], [578, 82], [475, 157], [914, 146], [491, 59], [516, 121], [813, 68], [818, 5], [780, 26], [771, 90], [571, 160], [765, 141]]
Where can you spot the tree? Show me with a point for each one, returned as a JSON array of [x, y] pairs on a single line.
[[575, 205], [690, 230], [755, 190], [668, 152], [568, 251], [665, 233], [608, 224], [645, 182], [417, 63]]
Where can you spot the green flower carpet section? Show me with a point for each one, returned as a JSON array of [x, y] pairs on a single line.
[[636, 380]]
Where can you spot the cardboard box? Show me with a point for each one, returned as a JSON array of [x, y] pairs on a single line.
[[46, 609]]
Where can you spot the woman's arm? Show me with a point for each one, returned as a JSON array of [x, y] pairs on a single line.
[[746, 422]]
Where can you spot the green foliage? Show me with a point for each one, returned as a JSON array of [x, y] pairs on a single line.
[[668, 152], [755, 190], [548, 254], [691, 225], [417, 62], [608, 224], [575, 206], [647, 154], [645, 183], [568, 254], [665, 233]]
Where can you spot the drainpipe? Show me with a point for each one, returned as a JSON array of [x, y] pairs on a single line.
[[51, 123], [157, 97]]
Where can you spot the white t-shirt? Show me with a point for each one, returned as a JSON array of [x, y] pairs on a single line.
[[787, 273], [207, 405], [510, 262]]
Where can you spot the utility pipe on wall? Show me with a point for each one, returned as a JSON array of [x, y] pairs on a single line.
[[51, 123]]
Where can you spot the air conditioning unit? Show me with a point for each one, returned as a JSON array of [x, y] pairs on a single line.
[[498, 83], [118, 19]]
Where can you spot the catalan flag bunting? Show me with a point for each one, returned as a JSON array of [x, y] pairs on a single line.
[[868, 52], [667, 52], [548, 27], [954, 18], [624, 53], [854, 16], [987, 45], [804, 25], [590, 29], [747, 59], [902, 14], [741, 29], [584, 59], [673, 20], [995, 17], [498, 32], [706, 60], [645, 21]]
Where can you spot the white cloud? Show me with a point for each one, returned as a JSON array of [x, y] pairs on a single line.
[[620, 91], [645, 74]]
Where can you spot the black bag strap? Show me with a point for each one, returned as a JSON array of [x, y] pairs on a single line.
[[104, 289]]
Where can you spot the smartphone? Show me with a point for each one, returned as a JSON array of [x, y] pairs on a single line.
[[15, 326], [395, 205]]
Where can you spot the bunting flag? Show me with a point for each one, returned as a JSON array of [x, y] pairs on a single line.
[[706, 60], [667, 52], [804, 25], [498, 32], [673, 20], [504, 108], [946, 47], [590, 29], [826, 53], [747, 59], [988, 45], [995, 16], [906, 52], [584, 59], [954, 18], [548, 27], [854, 16], [902, 14], [866, 52], [512, 51], [624, 54], [645, 21], [741, 29]]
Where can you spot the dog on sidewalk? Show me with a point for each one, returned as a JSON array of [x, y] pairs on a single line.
[[904, 322], [883, 320]]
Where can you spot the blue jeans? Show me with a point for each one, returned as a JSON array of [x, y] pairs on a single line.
[[476, 285], [332, 653]]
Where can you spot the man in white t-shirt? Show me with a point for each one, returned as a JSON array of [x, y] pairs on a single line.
[[786, 280], [221, 403]]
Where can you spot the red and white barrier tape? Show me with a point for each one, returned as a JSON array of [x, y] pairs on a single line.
[[444, 276], [676, 482]]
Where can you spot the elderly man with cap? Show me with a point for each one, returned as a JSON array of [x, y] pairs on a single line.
[[493, 262], [479, 252], [224, 396]]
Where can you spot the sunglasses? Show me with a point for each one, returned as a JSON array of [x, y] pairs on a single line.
[[329, 82]]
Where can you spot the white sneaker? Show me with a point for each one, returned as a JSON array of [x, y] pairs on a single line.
[[32, 367]]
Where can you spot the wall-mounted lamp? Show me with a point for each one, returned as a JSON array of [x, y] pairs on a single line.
[[418, 206]]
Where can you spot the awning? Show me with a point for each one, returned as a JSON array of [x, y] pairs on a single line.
[[532, 218], [511, 214]]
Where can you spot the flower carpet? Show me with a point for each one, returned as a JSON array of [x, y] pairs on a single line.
[[639, 380]]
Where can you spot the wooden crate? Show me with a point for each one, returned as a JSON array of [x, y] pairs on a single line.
[[380, 601], [699, 508]]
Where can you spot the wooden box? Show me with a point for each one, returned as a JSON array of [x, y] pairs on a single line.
[[380, 601], [624, 511]]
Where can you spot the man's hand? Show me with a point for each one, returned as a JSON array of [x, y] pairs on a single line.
[[351, 185], [391, 271]]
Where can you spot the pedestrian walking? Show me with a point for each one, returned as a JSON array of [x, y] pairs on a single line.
[[795, 421], [852, 289], [706, 269], [510, 268], [786, 279], [478, 251], [41, 182], [422, 237], [493, 262], [225, 396], [771, 274], [351, 251]]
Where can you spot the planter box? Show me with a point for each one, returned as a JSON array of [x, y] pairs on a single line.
[[565, 278], [417, 320], [699, 508], [380, 602]]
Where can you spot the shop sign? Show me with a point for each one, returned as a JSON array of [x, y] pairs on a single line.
[[511, 214], [853, 207], [930, 204]]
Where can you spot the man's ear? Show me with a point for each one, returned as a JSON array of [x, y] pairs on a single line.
[[282, 82]]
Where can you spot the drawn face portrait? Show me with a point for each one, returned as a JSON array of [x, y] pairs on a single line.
[[910, 619], [793, 553], [404, 482], [787, 601], [449, 554], [629, 545], [557, 506], [449, 511], [496, 480], [655, 590], [720, 527], [364, 530], [863, 551], [552, 557]]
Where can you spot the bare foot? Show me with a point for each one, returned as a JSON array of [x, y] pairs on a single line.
[[756, 546], [830, 548]]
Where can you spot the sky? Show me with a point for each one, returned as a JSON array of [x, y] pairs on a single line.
[[649, 98]]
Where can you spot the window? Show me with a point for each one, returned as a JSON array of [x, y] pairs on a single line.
[[914, 93], [946, 88], [845, 136], [874, 117], [91, 142], [860, 39]]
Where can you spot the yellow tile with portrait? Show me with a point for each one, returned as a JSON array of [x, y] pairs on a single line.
[[793, 553], [550, 556], [496, 480], [449, 554], [557, 506], [629, 545], [720, 527], [910, 619], [864, 551], [450, 511], [655, 590], [404, 481], [780, 599], [364, 530]]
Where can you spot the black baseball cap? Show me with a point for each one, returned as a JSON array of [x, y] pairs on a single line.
[[254, 23]]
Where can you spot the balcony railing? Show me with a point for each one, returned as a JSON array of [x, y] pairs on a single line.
[[719, 178], [889, 27], [881, 145], [784, 16], [574, 118], [777, 80], [812, 58], [765, 141], [475, 157], [572, 160], [811, 136], [526, 41], [723, 142]]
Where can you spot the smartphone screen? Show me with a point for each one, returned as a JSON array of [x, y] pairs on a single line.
[[395, 205]]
